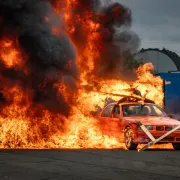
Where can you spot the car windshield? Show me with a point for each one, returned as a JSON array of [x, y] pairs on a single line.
[[142, 110]]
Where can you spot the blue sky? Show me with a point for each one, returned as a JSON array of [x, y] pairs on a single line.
[[157, 22]]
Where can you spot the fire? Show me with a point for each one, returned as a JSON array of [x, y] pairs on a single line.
[[25, 124], [10, 53], [55, 30]]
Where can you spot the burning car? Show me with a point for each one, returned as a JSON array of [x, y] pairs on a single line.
[[120, 119]]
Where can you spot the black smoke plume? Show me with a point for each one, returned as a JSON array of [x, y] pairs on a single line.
[[48, 53], [117, 42]]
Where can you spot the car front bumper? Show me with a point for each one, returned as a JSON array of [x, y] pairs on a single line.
[[141, 137]]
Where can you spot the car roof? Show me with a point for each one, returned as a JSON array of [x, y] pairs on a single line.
[[124, 103]]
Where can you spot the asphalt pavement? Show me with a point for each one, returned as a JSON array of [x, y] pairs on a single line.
[[89, 165]]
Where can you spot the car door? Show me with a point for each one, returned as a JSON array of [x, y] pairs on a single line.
[[110, 120], [105, 119], [115, 123]]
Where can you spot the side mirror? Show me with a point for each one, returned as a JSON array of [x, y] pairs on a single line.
[[125, 113], [115, 115], [171, 115]]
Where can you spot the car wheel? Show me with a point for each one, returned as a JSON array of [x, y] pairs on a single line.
[[176, 146], [128, 136]]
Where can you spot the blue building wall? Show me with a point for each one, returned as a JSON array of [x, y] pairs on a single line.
[[172, 91]]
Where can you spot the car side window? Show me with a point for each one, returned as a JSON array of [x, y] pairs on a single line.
[[107, 111], [116, 109]]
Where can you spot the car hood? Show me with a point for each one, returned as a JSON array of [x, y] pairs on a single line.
[[151, 120]]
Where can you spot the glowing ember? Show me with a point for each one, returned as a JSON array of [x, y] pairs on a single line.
[[40, 109]]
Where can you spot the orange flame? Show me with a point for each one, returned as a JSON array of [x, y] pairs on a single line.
[[25, 125], [10, 53]]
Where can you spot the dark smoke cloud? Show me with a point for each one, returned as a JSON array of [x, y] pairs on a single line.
[[48, 53], [51, 54], [117, 43]]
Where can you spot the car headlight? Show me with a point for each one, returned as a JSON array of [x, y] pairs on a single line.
[[174, 127], [147, 127]]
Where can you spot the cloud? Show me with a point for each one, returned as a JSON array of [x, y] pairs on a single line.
[[156, 22]]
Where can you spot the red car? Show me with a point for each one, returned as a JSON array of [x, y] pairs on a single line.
[[120, 120]]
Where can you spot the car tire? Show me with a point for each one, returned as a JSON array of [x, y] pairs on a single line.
[[176, 146], [128, 137]]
